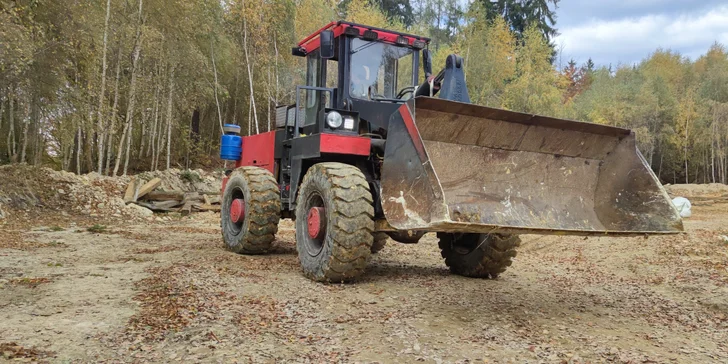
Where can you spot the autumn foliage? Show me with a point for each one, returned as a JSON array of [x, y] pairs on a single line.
[[117, 86]]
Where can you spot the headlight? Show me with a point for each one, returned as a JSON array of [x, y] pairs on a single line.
[[348, 123], [334, 119]]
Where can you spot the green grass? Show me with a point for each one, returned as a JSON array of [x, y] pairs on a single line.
[[97, 229], [190, 176], [57, 228]]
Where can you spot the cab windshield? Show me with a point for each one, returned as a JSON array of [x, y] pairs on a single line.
[[379, 70]]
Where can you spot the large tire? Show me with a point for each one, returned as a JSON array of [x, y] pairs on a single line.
[[341, 251], [478, 255], [262, 201], [380, 241]]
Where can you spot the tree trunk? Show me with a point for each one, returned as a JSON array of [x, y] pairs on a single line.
[[153, 140], [169, 116], [160, 142], [140, 152], [214, 71], [26, 124], [659, 171], [132, 89], [687, 125], [78, 147], [712, 143], [2, 111], [100, 126], [37, 135], [128, 147], [88, 149], [250, 75], [250, 116], [114, 110], [11, 125]]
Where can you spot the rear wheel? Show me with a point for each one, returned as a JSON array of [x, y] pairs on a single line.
[[251, 208], [478, 255], [334, 222]]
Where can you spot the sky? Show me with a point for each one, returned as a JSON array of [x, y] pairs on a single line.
[[620, 32]]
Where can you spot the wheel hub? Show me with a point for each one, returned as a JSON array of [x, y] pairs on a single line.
[[237, 211], [316, 222]]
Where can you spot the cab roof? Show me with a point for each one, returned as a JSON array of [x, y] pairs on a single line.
[[312, 42]]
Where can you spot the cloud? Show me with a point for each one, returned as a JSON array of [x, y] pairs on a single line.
[[628, 40]]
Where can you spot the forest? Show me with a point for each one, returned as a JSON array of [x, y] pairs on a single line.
[[106, 85]]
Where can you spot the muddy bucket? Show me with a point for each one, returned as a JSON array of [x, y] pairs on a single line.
[[456, 167]]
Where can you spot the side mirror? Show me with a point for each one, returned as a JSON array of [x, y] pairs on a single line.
[[327, 44], [427, 62]]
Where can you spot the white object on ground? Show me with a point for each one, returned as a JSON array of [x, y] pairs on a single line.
[[683, 206]]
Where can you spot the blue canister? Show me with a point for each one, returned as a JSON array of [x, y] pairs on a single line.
[[231, 144]]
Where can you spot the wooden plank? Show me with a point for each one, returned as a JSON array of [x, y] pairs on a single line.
[[207, 207], [186, 209], [129, 195], [165, 196], [161, 206], [214, 200], [148, 187], [192, 196]]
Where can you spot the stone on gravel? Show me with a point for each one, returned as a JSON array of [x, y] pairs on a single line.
[[139, 211]]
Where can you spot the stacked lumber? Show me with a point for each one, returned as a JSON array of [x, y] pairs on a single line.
[[146, 195]]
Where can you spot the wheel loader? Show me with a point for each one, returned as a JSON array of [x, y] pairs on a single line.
[[376, 147]]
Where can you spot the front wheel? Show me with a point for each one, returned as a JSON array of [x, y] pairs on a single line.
[[478, 255], [334, 222]]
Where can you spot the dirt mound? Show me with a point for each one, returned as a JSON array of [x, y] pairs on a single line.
[[187, 180], [26, 188], [696, 191]]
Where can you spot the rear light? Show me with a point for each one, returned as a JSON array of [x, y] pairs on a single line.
[[418, 44], [370, 35], [402, 41]]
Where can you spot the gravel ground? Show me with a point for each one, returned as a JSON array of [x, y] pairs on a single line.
[[166, 291]]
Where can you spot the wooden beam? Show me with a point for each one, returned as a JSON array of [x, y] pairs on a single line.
[[148, 187], [161, 206], [130, 194], [207, 207], [165, 196], [186, 209]]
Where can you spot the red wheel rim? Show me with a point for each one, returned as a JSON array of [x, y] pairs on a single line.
[[237, 211], [316, 222]]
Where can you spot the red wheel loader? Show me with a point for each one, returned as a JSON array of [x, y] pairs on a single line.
[[375, 148]]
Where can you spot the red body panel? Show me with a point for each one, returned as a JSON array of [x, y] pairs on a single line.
[[313, 42], [342, 144], [259, 151], [224, 183]]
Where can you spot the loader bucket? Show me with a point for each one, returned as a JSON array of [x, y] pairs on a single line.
[[455, 167]]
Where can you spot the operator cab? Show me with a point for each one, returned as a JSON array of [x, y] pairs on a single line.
[[356, 76]]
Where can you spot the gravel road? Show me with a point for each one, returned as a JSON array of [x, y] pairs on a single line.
[[166, 291]]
